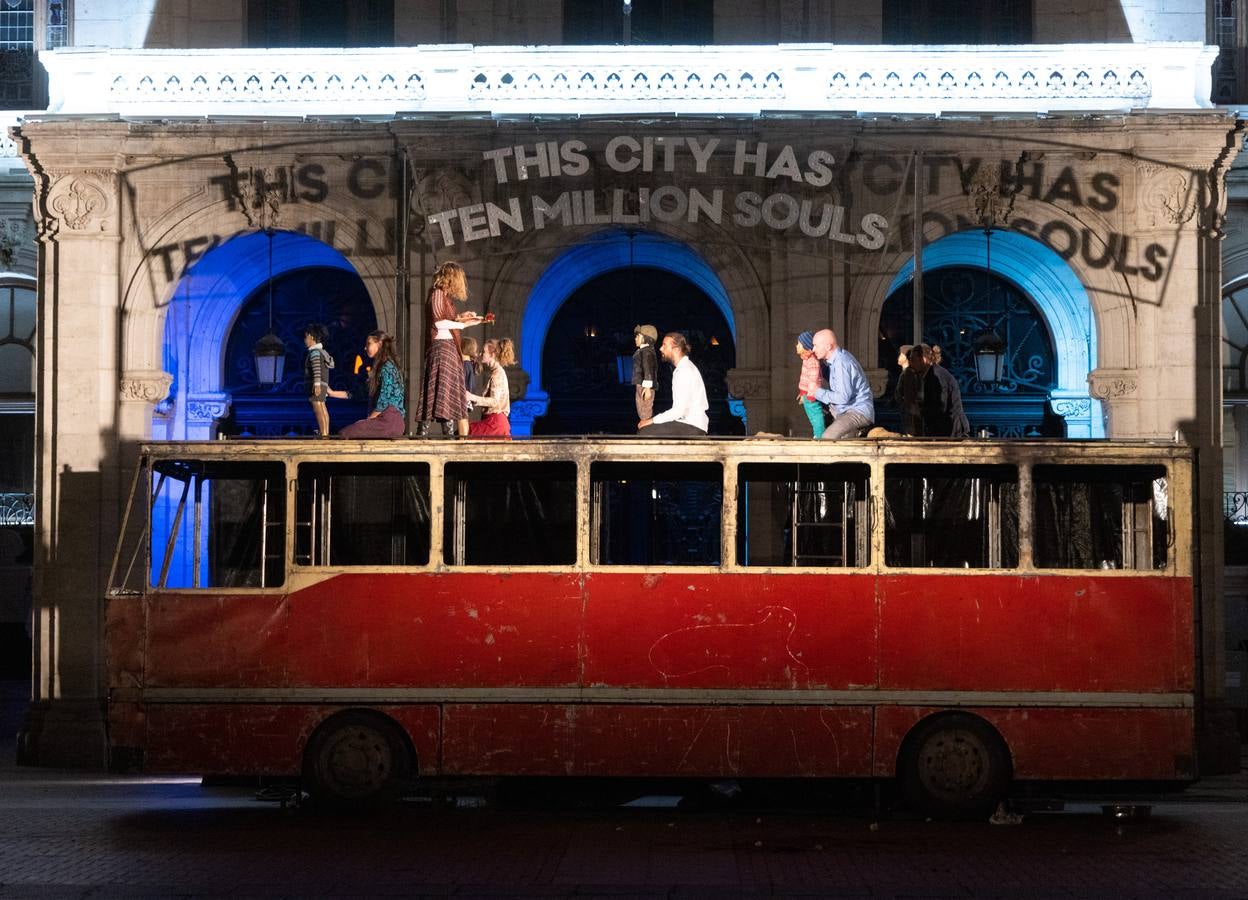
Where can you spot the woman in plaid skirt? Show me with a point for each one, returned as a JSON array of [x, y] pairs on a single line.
[[442, 390]]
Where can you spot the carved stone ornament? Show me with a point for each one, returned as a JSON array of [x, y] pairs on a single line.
[[78, 202], [1113, 384], [1072, 407], [438, 190], [991, 201], [1167, 196], [749, 384], [878, 379], [207, 408], [145, 385]]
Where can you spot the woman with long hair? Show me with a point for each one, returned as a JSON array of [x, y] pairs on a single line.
[[388, 418], [496, 354], [442, 394]]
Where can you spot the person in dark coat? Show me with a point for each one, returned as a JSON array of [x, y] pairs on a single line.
[[930, 399], [645, 369]]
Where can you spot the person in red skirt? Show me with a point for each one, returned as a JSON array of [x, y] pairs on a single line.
[[496, 401], [442, 395]]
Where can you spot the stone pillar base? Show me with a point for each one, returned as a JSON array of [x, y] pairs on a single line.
[[66, 734]]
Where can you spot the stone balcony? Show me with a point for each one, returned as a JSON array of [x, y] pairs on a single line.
[[801, 79]]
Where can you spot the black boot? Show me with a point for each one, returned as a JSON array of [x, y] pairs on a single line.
[[448, 427], [422, 429]]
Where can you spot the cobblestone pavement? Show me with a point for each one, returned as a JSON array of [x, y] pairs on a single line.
[[67, 834]]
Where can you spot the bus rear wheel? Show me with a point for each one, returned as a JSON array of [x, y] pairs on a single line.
[[356, 759], [956, 767]]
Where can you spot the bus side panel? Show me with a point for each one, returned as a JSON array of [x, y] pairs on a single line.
[[1035, 633], [469, 629], [123, 640], [658, 741], [1066, 743], [259, 739], [747, 631], [373, 630], [1099, 743]]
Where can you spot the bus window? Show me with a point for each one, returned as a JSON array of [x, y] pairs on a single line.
[[1100, 517], [218, 524], [362, 514], [963, 517], [510, 513], [802, 515], [655, 514]]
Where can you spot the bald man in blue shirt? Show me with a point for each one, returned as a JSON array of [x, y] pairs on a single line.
[[848, 394]]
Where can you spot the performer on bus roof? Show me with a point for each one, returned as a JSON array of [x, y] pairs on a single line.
[[388, 418], [645, 369], [316, 366], [687, 417], [810, 381], [929, 398], [496, 401], [442, 390], [848, 395]]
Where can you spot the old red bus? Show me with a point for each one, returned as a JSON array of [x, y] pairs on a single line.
[[957, 614]]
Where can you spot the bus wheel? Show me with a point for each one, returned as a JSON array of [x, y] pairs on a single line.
[[955, 767], [356, 758]]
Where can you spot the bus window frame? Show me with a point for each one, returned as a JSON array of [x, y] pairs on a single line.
[[868, 461], [150, 461], [1178, 464], [295, 568], [586, 465], [440, 515], [1178, 523]]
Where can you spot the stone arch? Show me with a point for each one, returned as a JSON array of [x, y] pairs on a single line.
[[149, 295], [1050, 282], [542, 274], [1108, 293], [205, 303]]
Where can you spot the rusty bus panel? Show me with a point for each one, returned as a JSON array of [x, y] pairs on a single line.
[[1049, 633], [658, 740]]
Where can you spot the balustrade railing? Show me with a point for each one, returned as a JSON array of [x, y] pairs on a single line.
[[802, 78]]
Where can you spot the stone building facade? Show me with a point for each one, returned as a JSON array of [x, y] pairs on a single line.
[[788, 199]]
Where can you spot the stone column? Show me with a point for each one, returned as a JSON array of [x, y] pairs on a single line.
[[1118, 391], [203, 410], [78, 415], [749, 395]]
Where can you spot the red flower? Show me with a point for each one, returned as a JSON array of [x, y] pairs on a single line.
[[489, 318]]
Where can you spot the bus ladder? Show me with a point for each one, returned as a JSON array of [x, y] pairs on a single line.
[[834, 529]]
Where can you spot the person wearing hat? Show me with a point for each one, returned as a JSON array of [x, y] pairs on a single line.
[[809, 382], [645, 369]]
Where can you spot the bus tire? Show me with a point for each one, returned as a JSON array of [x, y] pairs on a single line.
[[955, 766], [356, 759]]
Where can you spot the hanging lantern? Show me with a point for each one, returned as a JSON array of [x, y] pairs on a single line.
[[989, 351], [270, 356], [270, 352]]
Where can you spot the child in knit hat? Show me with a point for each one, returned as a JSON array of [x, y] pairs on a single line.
[[809, 382]]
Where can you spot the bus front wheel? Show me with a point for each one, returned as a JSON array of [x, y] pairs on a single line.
[[356, 759], [955, 766]]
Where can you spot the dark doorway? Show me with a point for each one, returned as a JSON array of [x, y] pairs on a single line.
[[337, 299], [957, 306], [587, 358]]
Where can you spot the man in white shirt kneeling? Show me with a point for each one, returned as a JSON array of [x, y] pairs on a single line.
[[687, 417]]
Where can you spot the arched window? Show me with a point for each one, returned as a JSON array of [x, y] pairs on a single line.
[[956, 308]]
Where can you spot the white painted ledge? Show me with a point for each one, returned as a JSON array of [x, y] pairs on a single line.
[[748, 80]]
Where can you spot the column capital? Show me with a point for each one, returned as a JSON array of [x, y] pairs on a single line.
[[749, 384], [206, 408], [82, 203], [1113, 384], [145, 385]]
